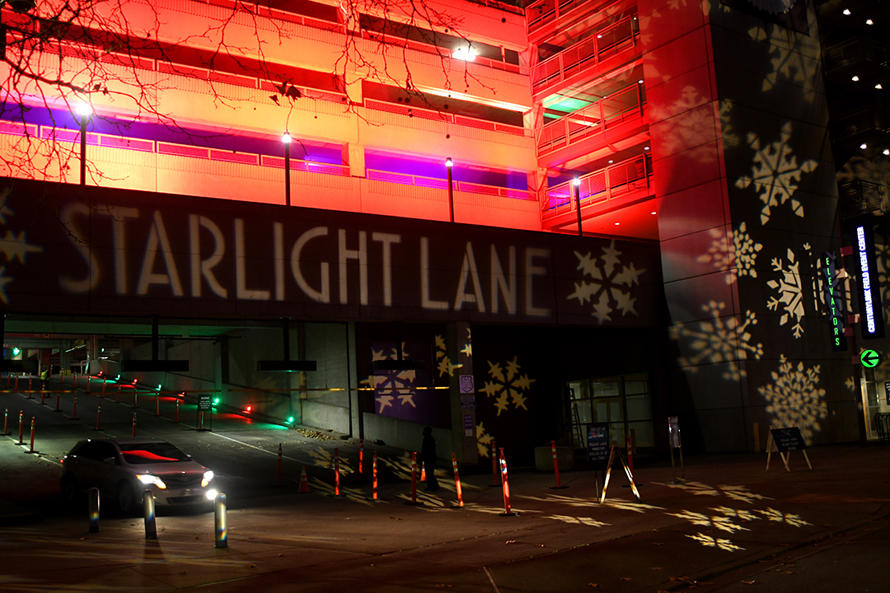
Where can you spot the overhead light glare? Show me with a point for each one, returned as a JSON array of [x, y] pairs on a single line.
[[652, 213], [847, 12], [286, 138], [617, 223], [84, 109], [887, 152], [855, 79], [878, 86], [869, 22], [863, 146], [467, 54]]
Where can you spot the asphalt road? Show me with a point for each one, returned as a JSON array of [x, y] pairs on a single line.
[[732, 527]]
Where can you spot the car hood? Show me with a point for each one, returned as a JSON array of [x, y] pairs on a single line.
[[169, 468]]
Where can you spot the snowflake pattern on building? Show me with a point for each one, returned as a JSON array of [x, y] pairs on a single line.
[[483, 441], [790, 291], [794, 398], [787, 59], [730, 138], [609, 288], [722, 339], [741, 258], [775, 174], [443, 362], [14, 247], [392, 387], [507, 386]]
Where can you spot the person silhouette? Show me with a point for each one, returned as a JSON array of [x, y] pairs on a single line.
[[428, 458]]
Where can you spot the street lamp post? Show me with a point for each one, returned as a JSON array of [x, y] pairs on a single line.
[[85, 111], [286, 139], [448, 165], [576, 189]]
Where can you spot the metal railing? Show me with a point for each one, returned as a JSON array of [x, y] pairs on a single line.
[[856, 51], [594, 119], [602, 45], [464, 186], [600, 186]]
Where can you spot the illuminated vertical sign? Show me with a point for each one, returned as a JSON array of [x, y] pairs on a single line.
[[871, 318], [834, 301]]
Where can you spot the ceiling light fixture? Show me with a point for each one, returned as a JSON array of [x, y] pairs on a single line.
[[855, 79], [847, 12], [869, 22]]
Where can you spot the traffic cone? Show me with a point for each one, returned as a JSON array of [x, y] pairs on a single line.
[[423, 473], [304, 482]]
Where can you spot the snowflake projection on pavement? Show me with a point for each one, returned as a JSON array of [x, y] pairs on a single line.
[[715, 542], [609, 288], [507, 386], [483, 441], [740, 493], [775, 173], [790, 293], [324, 458], [721, 522], [742, 258], [794, 397], [14, 247], [589, 521], [392, 388], [787, 58], [780, 517], [719, 340]]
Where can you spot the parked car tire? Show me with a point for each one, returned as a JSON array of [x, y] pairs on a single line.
[[126, 499], [70, 489]]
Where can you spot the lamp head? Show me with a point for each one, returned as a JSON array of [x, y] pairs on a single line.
[[448, 162], [286, 138]]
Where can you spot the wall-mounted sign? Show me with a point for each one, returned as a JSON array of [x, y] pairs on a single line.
[[872, 319], [834, 301], [467, 384], [870, 358], [887, 393]]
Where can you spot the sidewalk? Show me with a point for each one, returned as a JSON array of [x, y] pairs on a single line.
[[730, 514]]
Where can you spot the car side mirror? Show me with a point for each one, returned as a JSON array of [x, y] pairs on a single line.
[[109, 460]]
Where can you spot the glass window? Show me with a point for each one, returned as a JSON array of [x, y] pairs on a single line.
[[621, 402]]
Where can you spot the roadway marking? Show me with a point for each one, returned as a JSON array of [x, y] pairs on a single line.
[[491, 578], [275, 453]]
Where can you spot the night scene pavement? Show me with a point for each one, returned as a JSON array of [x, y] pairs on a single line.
[[731, 526]]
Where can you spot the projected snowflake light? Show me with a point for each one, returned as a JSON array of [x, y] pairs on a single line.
[[609, 286], [790, 291], [742, 257], [722, 339], [14, 247], [775, 174], [507, 386], [794, 397]]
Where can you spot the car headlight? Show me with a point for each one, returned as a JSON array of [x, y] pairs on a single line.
[[208, 475], [149, 479]]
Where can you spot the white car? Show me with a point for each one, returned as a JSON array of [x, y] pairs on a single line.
[[124, 468]]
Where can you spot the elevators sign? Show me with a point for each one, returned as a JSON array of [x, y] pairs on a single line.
[[788, 439], [467, 383], [204, 403], [598, 442]]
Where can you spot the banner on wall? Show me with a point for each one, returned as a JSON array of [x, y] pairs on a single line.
[[104, 251]]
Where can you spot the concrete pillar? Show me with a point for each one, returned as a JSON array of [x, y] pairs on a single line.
[[463, 393]]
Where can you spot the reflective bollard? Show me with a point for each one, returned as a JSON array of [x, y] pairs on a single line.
[[94, 510], [221, 536], [148, 507]]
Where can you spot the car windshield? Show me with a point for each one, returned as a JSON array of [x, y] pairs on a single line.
[[140, 453]]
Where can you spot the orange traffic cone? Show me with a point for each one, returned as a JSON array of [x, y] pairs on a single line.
[[304, 482], [423, 473]]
